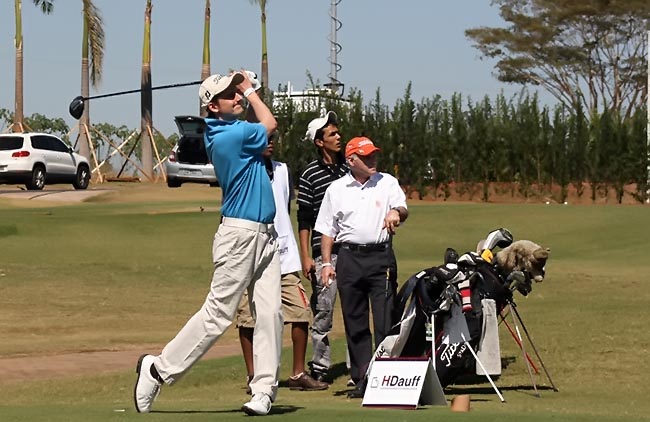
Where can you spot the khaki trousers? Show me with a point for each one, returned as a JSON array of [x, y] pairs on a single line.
[[245, 257]]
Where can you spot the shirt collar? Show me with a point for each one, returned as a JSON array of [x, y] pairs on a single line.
[[324, 164], [351, 181]]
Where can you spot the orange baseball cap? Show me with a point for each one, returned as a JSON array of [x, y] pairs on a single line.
[[360, 146]]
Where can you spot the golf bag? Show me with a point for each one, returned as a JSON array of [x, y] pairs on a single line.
[[449, 298]]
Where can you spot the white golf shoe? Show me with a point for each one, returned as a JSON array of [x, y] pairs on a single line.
[[147, 387], [259, 405]]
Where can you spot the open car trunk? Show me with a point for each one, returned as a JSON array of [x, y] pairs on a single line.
[[191, 147]]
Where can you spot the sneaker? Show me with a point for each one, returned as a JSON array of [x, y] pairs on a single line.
[[147, 387], [306, 383], [259, 405], [350, 383], [249, 378]]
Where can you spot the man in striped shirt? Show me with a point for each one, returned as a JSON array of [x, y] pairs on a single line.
[[313, 183]]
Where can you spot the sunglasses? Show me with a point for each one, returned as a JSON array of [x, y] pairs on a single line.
[[228, 94]]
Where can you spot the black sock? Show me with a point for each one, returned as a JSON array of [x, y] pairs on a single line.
[[155, 374]]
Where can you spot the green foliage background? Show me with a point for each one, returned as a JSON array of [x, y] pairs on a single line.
[[459, 145]]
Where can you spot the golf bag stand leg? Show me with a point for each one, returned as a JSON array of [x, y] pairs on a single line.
[[530, 340], [494, 386], [514, 337], [523, 351]]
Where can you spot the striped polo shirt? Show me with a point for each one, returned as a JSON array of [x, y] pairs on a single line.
[[313, 183]]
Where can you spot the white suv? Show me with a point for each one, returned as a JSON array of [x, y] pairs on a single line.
[[37, 159]]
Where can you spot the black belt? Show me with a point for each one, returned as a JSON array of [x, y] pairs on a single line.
[[367, 247], [335, 250]]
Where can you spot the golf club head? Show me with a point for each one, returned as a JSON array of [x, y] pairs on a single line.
[[76, 108], [500, 237], [518, 281], [451, 256], [516, 277]]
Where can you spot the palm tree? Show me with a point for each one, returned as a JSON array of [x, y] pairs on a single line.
[[46, 7], [265, 60], [205, 68], [146, 100], [92, 46]]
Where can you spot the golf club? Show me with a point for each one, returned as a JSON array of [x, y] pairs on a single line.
[[514, 279], [500, 237], [77, 105]]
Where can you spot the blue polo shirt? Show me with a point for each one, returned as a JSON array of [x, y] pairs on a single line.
[[235, 148]]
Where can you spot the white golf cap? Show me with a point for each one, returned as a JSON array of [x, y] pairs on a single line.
[[319, 123], [215, 85]]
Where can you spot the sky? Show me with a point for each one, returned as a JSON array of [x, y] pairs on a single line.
[[385, 44]]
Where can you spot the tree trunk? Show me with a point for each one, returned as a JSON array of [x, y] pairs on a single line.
[[84, 122], [18, 104], [205, 68], [265, 58], [146, 100]]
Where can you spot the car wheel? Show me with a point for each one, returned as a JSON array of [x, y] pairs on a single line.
[[37, 181], [82, 178], [173, 183]]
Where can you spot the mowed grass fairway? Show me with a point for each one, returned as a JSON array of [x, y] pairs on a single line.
[[125, 270]]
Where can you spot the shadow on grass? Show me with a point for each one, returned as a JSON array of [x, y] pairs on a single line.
[[275, 410], [529, 389], [337, 371], [345, 392]]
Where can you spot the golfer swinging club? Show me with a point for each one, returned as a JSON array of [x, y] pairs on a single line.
[[244, 250]]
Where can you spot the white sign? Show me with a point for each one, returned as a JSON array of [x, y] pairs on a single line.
[[403, 383]]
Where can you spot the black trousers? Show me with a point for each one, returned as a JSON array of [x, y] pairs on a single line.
[[366, 277]]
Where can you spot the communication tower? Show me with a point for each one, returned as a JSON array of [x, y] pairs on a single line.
[[334, 85]]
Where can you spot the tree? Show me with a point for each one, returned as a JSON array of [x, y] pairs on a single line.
[[265, 60], [6, 117], [92, 58], [403, 132], [481, 140], [146, 97], [205, 67], [559, 170], [587, 51], [46, 7], [56, 126]]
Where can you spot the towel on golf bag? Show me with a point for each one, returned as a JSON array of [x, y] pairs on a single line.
[[489, 350]]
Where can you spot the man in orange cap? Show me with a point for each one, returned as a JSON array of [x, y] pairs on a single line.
[[360, 212]]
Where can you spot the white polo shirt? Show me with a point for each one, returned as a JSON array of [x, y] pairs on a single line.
[[354, 213]]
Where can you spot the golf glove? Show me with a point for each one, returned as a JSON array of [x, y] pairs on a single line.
[[253, 77]]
